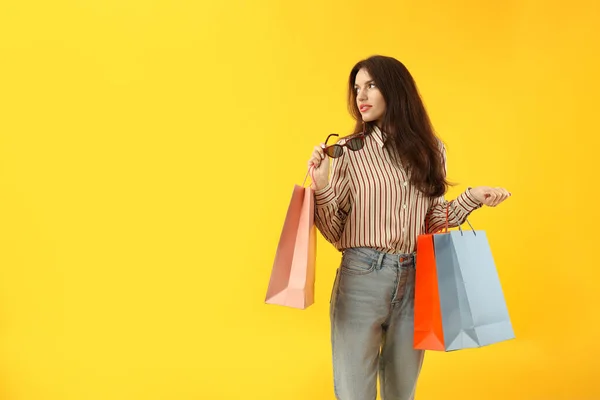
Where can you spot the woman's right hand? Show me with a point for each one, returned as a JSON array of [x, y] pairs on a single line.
[[320, 163]]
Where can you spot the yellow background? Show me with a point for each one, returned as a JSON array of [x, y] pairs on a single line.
[[148, 151]]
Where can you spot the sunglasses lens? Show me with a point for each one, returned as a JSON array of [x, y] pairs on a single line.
[[334, 151], [355, 144]]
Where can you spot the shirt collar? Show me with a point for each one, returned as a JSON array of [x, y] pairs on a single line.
[[378, 136]]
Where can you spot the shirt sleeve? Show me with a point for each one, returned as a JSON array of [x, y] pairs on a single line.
[[457, 211], [331, 202]]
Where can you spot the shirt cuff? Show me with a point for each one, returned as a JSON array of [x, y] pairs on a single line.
[[468, 201], [324, 196]]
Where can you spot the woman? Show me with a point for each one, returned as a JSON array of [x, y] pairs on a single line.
[[387, 186]]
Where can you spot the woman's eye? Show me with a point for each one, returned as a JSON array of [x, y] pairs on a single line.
[[370, 86]]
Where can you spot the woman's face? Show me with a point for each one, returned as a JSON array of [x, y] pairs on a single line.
[[369, 99]]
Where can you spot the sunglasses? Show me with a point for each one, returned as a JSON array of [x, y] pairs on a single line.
[[337, 150]]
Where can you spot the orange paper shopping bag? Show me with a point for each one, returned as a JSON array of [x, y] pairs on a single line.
[[428, 324], [292, 282], [428, 331]]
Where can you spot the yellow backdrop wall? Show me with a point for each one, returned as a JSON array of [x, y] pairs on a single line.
[[148, 150]]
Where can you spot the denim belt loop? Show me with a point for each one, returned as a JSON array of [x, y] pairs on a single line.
[[380, 258]]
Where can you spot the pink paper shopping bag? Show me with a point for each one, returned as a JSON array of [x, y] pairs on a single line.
[[292, 282]]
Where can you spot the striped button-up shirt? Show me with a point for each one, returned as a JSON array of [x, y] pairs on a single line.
[[369, 202]]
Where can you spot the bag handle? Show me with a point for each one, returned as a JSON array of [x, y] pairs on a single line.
[[312, 175], [459, 227]]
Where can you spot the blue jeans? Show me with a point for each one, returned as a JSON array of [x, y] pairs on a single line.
[[372, 324]]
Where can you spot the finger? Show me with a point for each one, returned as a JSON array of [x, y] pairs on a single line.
[[502, 192], [491, 198], [317, 155], [505, 195], [319, 151], [497, 201], [502, 195]]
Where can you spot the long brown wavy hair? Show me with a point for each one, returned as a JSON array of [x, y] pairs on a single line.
[[408, 134]]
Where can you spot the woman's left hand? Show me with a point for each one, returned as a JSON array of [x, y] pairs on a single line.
[[489, 196]]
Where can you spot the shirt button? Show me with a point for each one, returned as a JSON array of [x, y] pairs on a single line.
[[404, 206], [405, 184]]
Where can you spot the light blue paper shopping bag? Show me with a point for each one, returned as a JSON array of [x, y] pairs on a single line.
[[474, 311]]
